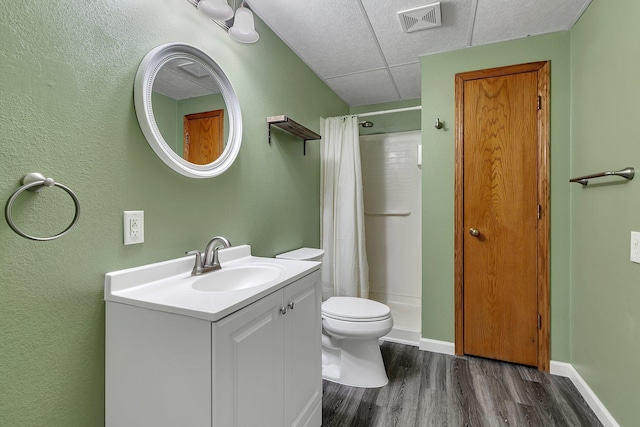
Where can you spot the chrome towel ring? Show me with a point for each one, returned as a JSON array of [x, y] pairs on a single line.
[[36, 182]]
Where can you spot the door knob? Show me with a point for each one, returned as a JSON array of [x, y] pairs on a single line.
[[474, 232]]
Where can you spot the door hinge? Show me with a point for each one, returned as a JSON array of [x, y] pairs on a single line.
[[539, 103], [539, 211], [539, 321]]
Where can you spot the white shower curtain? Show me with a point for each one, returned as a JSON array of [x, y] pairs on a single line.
[[344, 265]]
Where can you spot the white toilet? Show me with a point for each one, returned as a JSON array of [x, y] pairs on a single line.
[[351, 328]]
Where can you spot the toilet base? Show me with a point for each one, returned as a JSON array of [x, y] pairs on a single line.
[[355, 363]]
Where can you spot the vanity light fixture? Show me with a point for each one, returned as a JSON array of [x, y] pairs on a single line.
[[243, 29], [240, 27], [216, 9]]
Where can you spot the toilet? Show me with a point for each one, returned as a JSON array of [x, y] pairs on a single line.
[[351, 328]]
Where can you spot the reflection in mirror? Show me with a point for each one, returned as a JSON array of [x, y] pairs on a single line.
[[190, 111], [187, 110]]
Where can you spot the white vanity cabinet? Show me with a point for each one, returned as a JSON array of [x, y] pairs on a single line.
[[260, 366], [267, 360]]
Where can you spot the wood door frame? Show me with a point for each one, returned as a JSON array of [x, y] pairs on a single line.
[[543, 292]]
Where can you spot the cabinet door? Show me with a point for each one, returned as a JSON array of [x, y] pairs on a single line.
[[303, 352], [157, 368], [248, 366]]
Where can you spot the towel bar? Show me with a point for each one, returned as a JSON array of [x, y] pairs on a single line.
[[626, 173]]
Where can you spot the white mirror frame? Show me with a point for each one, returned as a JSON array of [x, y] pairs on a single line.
[[143, 89]]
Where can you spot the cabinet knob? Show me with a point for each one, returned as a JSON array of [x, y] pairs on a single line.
[[291, 305], [283, 310]]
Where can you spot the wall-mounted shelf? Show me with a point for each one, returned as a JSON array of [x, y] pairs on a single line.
[[294, 128]]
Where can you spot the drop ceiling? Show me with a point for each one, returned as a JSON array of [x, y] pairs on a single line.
[[358, 48], [182, 79]]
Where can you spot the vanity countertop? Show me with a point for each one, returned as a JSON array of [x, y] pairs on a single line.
[[169, 286]]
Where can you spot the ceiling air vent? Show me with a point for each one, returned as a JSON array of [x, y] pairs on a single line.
[[194, 69], [420, 18]]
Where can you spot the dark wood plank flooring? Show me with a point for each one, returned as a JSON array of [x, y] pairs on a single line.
[[431, 389]]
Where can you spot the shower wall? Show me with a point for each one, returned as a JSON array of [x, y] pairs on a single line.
[[392, 203]]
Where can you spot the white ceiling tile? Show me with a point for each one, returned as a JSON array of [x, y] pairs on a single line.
[[372, 87], [401, 48], [408, 78], [331, 36], [499, 20], [334, 37]]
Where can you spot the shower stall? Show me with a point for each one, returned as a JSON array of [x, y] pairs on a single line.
[[393, 226]]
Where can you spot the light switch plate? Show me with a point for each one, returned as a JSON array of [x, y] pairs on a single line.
[[133, 227], [635, 247]]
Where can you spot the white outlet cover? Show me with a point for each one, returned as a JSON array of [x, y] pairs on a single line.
[[635, 247], [133, 225]]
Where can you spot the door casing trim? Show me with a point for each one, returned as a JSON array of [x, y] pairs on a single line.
[[543, 73]]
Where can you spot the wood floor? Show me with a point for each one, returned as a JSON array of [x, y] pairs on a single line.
[[431, 389]]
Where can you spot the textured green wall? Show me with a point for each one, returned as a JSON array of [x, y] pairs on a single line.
[[66, 82], [605, 339], [438, 73]]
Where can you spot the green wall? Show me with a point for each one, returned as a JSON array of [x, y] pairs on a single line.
[[66, 81], [165, 111], [605, 306], [388, 123], [438, 73]]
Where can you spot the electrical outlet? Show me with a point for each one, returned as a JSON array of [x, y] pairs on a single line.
[[133, 227], [635, 247]]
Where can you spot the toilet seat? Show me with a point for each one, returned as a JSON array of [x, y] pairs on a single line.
[[351, 309]]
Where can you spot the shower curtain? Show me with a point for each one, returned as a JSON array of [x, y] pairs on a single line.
[[344, 266]]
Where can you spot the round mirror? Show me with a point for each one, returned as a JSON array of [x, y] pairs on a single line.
[[188, 110]]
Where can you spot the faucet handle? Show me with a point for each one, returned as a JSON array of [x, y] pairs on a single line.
[[197, 267], [198, 255], [216, 259]]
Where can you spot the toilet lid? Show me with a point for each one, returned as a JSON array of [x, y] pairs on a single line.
[[355, 309]]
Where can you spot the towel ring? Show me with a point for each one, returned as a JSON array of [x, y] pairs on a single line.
[[36, 182]]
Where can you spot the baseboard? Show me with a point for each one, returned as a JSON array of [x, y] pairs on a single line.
[[402, 336], [561, 369], [436, 346], [567, 370]]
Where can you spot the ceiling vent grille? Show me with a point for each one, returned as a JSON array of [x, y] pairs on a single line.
[[420, 18], [194, 69]]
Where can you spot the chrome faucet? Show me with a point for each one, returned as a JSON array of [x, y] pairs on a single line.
[[211, 251], [208, 260]]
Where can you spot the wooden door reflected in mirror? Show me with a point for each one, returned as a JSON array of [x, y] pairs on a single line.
[[203, 136]]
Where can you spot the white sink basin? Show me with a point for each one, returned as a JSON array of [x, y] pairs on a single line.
[[236, 278], [169, 286]]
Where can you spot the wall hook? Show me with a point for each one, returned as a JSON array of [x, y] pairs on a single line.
[[438, 124]]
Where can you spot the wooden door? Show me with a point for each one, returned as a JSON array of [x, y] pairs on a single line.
[[203, 137], [501, 197]]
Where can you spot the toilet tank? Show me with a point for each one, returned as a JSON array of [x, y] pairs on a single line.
[[303, 254]]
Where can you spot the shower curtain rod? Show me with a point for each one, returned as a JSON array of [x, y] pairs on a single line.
[[397, 110]]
